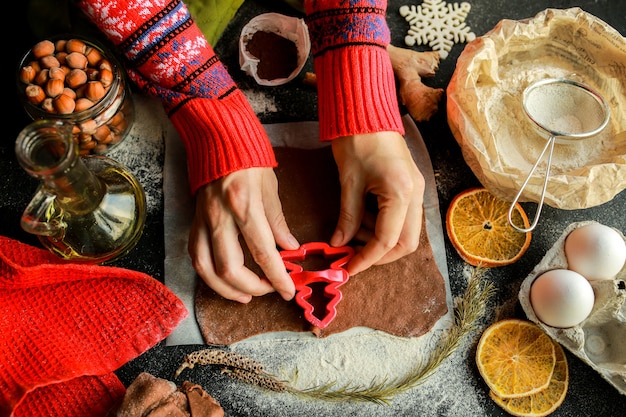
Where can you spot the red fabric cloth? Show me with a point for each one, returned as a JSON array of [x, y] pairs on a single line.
[[85, 396], [62, 323]]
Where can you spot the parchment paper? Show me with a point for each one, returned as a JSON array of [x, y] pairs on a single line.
[[179, 274], [498, 141]]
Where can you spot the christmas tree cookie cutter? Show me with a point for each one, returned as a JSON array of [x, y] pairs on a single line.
[[318, 289]]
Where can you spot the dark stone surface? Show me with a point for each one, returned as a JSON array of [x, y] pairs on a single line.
[[588, 395]]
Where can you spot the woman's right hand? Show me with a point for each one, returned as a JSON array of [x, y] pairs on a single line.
[[244, 202]]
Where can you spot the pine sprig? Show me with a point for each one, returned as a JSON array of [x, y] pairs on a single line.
[[469, 309]]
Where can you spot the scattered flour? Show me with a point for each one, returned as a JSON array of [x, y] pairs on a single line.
[[260, 102], [142, 150]]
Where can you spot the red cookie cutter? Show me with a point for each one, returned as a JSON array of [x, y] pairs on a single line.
[[332, 278]]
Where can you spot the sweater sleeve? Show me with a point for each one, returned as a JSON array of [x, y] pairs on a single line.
[[356, 84], [168, 57]]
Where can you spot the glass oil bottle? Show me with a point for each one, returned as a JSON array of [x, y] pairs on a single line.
[[86, 208]]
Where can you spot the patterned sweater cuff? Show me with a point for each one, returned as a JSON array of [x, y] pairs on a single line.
[[221, 137], [356, 92]]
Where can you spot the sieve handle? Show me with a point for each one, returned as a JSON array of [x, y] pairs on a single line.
[[549, 145]]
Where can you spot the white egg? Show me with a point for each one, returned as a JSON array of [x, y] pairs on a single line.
[[595, 251], [561, 298]]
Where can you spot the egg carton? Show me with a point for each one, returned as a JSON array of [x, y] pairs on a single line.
[[600, 339]]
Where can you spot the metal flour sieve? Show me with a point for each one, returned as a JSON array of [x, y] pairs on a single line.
[[561, 110]]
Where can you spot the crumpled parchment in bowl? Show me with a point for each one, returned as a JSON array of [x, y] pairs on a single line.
[[498, 141]]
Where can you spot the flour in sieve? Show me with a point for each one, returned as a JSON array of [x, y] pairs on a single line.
[[517, 141], [564, 108]]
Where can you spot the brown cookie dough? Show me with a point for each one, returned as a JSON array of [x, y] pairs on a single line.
[[404, 298]]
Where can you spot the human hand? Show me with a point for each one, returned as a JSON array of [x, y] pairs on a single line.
[[379, 164], [244, 202]]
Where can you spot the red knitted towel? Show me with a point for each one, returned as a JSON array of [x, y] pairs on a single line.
[[85, 396], [62, 322]]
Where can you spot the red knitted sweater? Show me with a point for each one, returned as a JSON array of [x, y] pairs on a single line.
[[169, 58]]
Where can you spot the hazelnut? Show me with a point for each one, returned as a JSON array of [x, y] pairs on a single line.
[[94, 90], [61, 57], [47, 105], [115, 138], [76, 60], [88, 126], [83, 104], [35, 94], [56, 73], [84, 137], [54, 87], [76, 78], [105, 77], [80, 91], [27, 74], [88, 143], [43, 48], [63, 104], [117, 119], [92, 74], [93, 56], [120, 126], [75, 45], [35, 65], [42, 77], [49, 61], [101, 133], [68, 91], [105, 64], [59, 45]]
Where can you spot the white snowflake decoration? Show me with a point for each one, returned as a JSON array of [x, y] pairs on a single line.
[[437, 24]]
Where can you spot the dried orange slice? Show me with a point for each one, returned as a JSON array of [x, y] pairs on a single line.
[[515, 358], [544, 402], [478, 227]]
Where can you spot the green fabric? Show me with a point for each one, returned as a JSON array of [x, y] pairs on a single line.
[[212, 16]]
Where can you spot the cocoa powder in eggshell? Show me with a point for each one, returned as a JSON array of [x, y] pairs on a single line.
[[278, 56]]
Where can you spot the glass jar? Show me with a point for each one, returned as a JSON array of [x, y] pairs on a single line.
[[77, 81]]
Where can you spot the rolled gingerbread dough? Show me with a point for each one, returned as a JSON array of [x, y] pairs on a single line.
[[404, 298]]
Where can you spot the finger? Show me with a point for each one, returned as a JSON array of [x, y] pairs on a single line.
[[389, 223], [351, 210], [410, 235], [276, 218], [230, 263], [199, 249], [260, 240], [202, 246]]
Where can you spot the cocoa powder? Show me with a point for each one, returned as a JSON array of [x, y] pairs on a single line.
[[278, 56]]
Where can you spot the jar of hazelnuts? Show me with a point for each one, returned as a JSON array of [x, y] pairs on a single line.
[[76, 80]]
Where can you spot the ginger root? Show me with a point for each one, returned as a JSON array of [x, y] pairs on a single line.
[[409, 66]]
